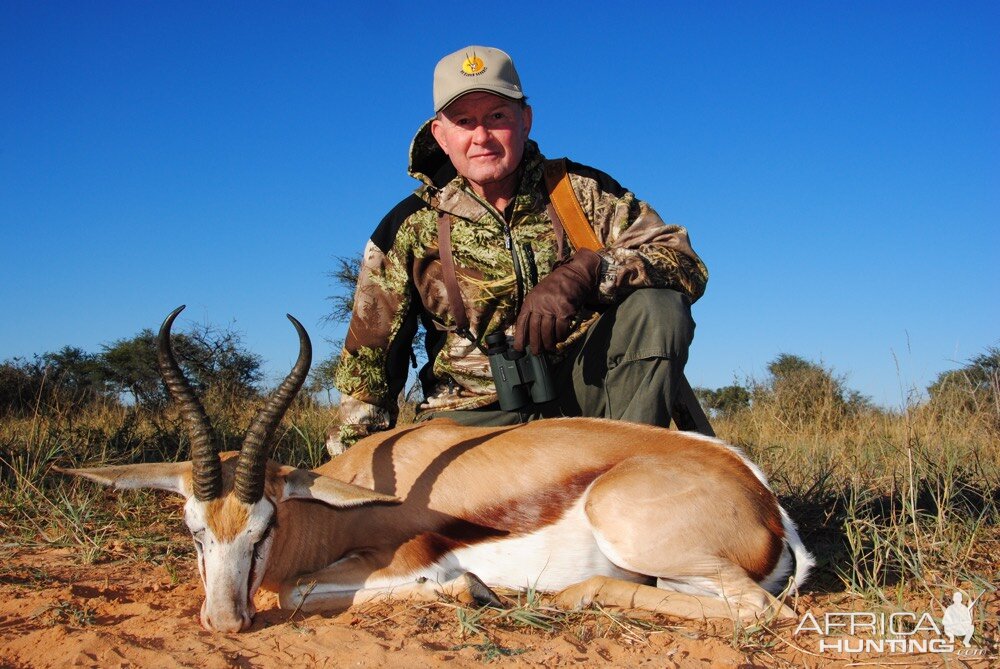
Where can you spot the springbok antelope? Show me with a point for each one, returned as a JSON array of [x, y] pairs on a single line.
[[619, 513]]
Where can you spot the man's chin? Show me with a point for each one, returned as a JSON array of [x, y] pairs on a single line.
[[495, 174], [486, 170]]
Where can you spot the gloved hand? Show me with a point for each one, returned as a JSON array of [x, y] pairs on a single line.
[[550, 307]]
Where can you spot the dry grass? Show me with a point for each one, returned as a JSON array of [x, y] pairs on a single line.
[[38, 508], [891, 502]]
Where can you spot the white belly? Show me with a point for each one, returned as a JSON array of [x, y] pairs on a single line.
[[549, 559]]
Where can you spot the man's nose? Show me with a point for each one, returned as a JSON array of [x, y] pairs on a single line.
[[479, 134]]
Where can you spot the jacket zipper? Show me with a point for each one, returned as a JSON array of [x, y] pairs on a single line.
[[509, 243], [518, 275]]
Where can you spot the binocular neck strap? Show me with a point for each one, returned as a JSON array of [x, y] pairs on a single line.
[[455, 299]]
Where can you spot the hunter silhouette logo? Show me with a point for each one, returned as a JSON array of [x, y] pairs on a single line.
[[473, 65], [957, 620]]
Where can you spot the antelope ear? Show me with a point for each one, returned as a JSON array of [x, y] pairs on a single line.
[[171, 476], [304, 484]]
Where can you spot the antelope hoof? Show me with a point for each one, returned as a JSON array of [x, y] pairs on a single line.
[[478, 593]]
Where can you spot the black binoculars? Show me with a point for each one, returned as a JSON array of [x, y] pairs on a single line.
[[521, 377]]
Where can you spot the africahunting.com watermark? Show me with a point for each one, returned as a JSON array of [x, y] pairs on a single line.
[[901, 632]]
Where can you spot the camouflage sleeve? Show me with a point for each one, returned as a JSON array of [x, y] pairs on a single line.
[[373, 364], [641, 250]]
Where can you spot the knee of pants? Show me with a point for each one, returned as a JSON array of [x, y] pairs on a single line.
[[657, 318]]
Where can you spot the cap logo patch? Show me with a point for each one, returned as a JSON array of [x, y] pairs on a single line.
[[473, 66]]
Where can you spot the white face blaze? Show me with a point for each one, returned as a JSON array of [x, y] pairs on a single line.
[[233, 541]]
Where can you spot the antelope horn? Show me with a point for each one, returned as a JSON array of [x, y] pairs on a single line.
[[207, 469], [253, 455]]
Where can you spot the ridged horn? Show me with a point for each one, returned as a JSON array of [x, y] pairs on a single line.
[[207, 469], [253, 456]]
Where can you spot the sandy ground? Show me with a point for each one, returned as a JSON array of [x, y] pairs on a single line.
[[57, 612]]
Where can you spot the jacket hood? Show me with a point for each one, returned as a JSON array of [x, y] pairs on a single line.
[[428, 162]]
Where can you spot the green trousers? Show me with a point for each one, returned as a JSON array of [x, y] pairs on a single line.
[[626, 367]]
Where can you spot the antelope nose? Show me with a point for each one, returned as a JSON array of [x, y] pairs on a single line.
[[226, 623]]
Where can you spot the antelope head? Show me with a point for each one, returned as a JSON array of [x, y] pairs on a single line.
[[231, 499]]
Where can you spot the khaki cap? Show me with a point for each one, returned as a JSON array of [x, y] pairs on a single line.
[[475, 68]]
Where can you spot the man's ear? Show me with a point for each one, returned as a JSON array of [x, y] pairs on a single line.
[[526, 116], [437, 129]]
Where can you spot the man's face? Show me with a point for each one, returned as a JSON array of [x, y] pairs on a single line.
[[484, 136]]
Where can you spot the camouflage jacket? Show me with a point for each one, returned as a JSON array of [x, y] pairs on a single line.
[[498, 259]]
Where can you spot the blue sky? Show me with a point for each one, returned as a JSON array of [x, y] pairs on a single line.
[[836, 163]]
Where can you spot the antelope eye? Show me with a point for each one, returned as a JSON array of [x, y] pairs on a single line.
[[259, 542]]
